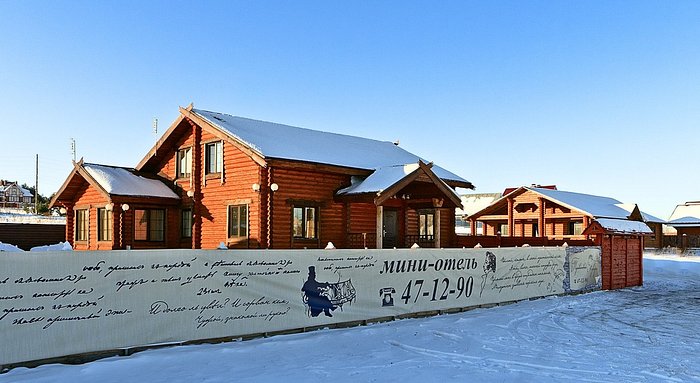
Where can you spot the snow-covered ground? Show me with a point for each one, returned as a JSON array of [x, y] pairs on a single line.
[[645, 334]]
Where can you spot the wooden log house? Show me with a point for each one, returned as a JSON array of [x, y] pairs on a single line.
[[555, 214], [214, 178]]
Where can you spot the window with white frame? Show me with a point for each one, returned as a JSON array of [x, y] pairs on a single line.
[[213, 157], [426, 224], [184, 162]]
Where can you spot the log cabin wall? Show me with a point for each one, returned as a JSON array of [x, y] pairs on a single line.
[[526, 218], [311, 189], [216, 192], [362, 225], [447, 227], [88, 198]]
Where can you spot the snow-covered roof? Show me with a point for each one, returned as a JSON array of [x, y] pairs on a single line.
[[122, 181], [624, 226], [25, 192], [381, 179], [473, 203], [272, 140], [687, 214], [645, 216], [384, 178], [596, 206]]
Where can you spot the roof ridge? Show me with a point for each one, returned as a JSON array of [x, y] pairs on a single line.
[[196, 110]]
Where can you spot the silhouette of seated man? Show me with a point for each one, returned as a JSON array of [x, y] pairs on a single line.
[[317, 302]]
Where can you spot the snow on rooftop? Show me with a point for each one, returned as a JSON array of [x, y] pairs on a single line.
[[273, 140], [473, 203], [685, 214], [596, 206], [624, 226], [381, 179], [121, 181]]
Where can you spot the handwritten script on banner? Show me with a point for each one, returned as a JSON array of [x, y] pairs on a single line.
[[57, 303]]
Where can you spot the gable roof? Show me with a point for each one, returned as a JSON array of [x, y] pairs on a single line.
[[685, 215], [592, 205], [12, 185], [124, 181], [472, 203], [278, 141], [112, 181], [595, 206], [385, 182]]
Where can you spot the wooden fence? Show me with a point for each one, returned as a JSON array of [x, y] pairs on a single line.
[[28, 235]]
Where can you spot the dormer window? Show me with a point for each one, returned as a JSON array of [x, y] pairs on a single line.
[[184, 162]]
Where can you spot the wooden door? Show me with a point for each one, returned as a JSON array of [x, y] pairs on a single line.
[[390, 220]]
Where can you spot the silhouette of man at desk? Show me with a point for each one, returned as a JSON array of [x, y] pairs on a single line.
[[313, 290]]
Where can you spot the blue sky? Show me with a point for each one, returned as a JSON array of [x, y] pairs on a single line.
[[598, 97]]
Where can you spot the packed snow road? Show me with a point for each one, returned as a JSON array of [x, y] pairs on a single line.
[[645, 334]]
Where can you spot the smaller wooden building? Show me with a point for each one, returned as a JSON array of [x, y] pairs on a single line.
[[686, 220], [622, 248], [555, 214]]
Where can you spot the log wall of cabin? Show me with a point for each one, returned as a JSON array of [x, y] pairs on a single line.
[[89, 198], [526, 213], [314, 189], [217, 193], [447, 227]]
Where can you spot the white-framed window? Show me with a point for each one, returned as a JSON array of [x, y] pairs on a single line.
[[426, 224], [184, 162], [213, 158]]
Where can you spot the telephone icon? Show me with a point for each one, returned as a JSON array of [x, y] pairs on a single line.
[[387, 298]]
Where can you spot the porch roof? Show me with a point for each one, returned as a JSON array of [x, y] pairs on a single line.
[[112, 181], [123, 181], [387, 181]]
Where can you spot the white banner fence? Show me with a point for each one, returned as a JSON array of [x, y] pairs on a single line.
[[57, 304]]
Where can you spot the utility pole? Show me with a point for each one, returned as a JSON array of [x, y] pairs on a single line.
[[36, 186]]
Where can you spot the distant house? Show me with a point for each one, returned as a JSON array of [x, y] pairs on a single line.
[[214, 178], [14, 196], [547, 212], [472, 203], [685, 219]]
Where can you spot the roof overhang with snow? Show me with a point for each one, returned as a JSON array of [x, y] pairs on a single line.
[[395, 181], [111, 181], [266, 141], [617, 226]]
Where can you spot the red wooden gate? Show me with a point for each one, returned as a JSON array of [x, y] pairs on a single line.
[[622, 261]]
